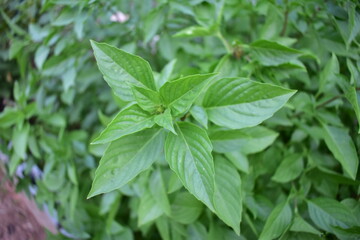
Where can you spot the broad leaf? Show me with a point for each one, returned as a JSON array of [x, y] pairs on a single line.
[[239, 102], [278, 221], [227, 196], [271, 53], [180, 94], [125, 158], [185, 208], [149, 209], [246, 141], [189, 156], [329, 74], [165, 120], [341, 145], [129, 120], [239, 160], [300, 225], [289, 169], [165, 74], [40, 55], [147, 99], [20, 139], [328, 213], [158, 191], [200, 115], [122, 69]]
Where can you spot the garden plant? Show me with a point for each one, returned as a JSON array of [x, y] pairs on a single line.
[[172, 119]]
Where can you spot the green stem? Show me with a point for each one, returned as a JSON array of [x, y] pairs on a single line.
[[226, 43]]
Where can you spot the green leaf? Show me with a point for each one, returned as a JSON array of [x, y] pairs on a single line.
[[165, 120], [227, 196], [200, 115], [10, 116], [158, 191], [328, 213], [246, 141], [189, 156], [239, 102], [125, 158], [196, 231], [180, 94], [40, 55], [289, 169], [122, 69], [278, 221], [147, 99], [165, 74], [239, 160], [342, 147], [129, 120], [13, 26], [20, 138], [352, 233], [149, 209], [300, 225], [271, 53], [329, 73], [350, 91], [185, 209], [152, 23], [163, 226]]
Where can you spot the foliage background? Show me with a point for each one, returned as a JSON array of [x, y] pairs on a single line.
[[54, 101]]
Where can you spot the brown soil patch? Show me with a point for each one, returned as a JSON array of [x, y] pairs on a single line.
[[20, 219]]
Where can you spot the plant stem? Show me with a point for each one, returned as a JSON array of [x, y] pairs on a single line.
[[286, 18], [226, 43]]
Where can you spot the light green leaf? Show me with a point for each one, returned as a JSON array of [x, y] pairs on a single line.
[[152, 23], [200, 115], [165, 120], [185, 208], [68, 78], [227, 196], [149, 100], [165, 74], [300, 225], [40, 55], [196, 231], [129, 120], [158, 191], [289, 169], [246, 141], [239, 102], [271, 53], [328, 213], [149, 209], [16, 46], [189, 156], [163, 226], [122, 69], [278, 221], [342, 147], [180, 94], [20, 138], [10, 116], [329, 73], [239, 160], [125, 158]]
